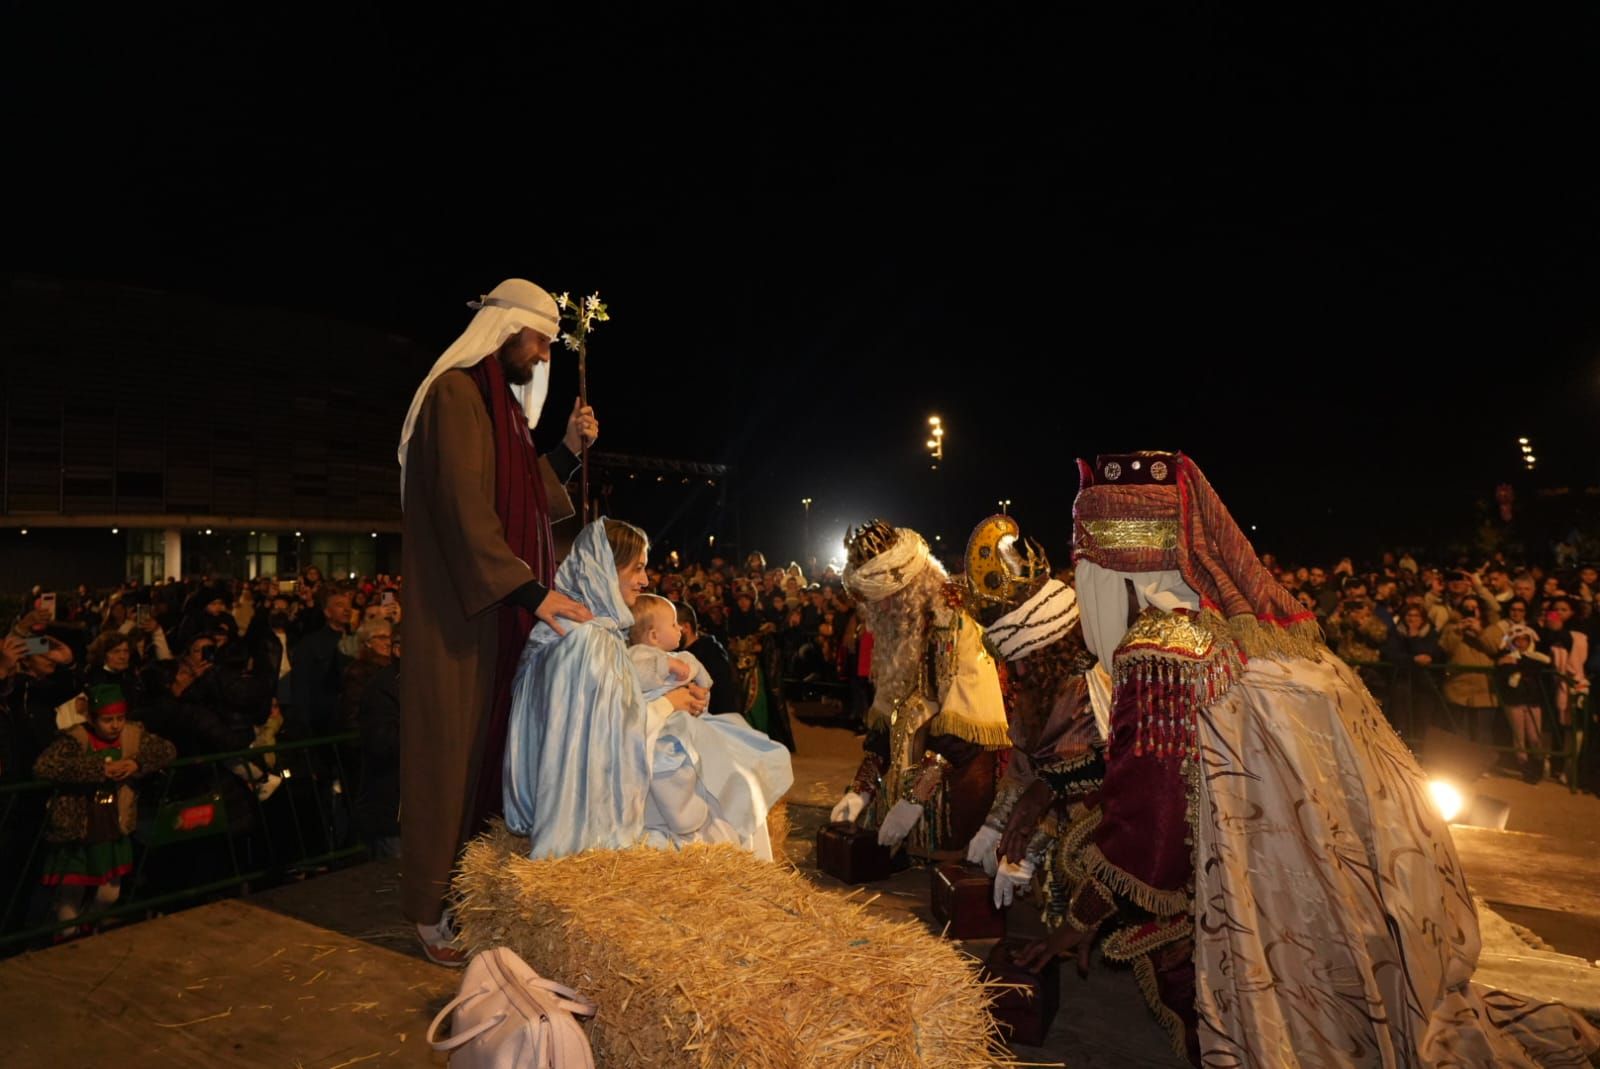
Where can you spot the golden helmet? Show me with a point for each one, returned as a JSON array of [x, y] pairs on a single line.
[[1002, 567]]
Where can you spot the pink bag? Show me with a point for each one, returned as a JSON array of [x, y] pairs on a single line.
[[509, 1017]]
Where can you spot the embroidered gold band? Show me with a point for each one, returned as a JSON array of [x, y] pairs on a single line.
[[1133, 534]]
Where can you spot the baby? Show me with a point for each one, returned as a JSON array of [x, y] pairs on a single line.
[[657, 661]]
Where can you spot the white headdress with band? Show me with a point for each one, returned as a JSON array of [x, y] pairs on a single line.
[[1036, 623], [504, 310], [895, 560]]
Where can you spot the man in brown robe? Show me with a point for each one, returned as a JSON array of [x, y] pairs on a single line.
[[478, 558]]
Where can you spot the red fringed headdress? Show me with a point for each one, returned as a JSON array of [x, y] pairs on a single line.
[[1149, 512]]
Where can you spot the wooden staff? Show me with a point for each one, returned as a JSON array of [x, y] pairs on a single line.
[[583, 442]]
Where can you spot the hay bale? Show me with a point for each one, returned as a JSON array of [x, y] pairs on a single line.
[[778, 830], [707, 957]]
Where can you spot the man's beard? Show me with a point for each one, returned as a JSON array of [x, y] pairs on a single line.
[[516, 374]]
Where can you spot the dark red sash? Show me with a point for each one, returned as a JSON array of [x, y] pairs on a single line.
[[1145, 833], [519, 501]]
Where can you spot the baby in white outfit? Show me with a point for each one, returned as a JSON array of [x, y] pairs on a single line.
[[657, 661]]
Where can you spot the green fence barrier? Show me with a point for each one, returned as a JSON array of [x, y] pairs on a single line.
[[200, 810], [1414, 698]]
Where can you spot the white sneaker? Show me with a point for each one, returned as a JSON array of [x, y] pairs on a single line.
[[438, 943]]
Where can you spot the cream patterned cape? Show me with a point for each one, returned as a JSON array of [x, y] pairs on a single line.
[[1333, 924]]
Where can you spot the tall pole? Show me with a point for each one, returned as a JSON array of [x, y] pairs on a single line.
[[805, 548], [583, 443]]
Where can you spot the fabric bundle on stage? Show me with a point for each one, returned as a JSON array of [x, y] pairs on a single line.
[[705, 957]]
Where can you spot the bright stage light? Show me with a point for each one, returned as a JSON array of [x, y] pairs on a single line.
[[1447, 798]]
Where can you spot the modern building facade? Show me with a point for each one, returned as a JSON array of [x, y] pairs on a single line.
[[150, 434]]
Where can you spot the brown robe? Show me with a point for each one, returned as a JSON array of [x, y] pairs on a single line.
[[457, 570]]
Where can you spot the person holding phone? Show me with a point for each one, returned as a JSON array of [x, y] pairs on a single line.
[[1470, 641], [41, 678]]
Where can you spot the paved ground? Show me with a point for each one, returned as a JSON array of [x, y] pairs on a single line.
[[234, 984]]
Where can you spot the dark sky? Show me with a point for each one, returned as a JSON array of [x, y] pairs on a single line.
[[1341, 261]]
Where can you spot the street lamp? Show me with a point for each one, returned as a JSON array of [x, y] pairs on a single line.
[[805, 530], [936, 441], [1005, 505]]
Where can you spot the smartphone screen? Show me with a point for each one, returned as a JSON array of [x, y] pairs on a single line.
[[37, 647], [47, 602], [141, 614], [387, 598]]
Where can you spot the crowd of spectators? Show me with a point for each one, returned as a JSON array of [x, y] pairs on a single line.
[[1495, 651]]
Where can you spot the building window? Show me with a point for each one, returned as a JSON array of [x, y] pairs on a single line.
[[147, 556], [338, 555], [261, 554]]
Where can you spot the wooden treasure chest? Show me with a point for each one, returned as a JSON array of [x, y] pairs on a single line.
[[851, 854], [963, 898], [1025, 1011]]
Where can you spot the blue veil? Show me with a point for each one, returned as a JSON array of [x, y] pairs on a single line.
[[577, 767]]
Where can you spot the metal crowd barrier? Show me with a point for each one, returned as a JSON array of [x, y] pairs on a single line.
[[1413, 698], [202, 829]]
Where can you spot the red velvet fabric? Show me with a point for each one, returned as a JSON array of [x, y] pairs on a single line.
[[1144, 821], [519, 501]]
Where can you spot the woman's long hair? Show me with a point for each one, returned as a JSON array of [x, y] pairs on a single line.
[[628, 543]]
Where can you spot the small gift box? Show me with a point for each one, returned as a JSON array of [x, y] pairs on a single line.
[[963, 898], [851, 854], [1025, 1008]]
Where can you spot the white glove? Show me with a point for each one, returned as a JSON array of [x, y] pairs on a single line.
[[848, 809], [1009, 879], [898, 824], [981, 850]]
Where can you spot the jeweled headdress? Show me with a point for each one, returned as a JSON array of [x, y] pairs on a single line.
[[1155, 512], [883, 560]]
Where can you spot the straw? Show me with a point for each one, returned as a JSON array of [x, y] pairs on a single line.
[[706, 957]]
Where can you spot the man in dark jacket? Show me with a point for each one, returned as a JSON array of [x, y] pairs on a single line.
[[317, 671], [725, 696], [377, 803]]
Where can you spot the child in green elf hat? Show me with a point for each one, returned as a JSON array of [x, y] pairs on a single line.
[[94, 809]]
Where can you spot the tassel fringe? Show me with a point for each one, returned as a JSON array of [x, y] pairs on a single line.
[[1141, 894]]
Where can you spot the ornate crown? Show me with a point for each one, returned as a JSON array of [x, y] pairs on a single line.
[[1003, 568], [863, 543]]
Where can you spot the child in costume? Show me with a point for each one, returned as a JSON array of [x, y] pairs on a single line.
[[94, 809]]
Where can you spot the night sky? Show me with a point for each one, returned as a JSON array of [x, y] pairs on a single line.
[[1342, 262]]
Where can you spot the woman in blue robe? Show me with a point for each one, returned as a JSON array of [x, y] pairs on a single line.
[[590, 764]]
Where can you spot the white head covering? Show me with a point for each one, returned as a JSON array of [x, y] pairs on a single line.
[[1037, 622], [504, 310], [890, 571], [1103, 600], [1103, 603]]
